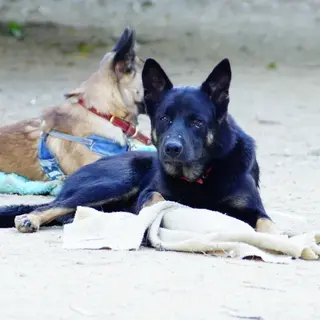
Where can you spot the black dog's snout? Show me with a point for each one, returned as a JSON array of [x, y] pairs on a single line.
[[173, 148]]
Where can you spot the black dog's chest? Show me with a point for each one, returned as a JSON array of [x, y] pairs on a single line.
[[207, 195], [202, 197]]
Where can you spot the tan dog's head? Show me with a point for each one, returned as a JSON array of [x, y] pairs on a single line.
[[116, 88]]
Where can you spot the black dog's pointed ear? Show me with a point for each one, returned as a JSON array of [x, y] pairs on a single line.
[[155, 81], [217, 85], [123, 61]]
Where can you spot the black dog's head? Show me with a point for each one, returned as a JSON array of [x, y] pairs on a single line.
[[186, 121]]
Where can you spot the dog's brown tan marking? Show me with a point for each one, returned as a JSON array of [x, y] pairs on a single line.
[[28, 223], [115, 88], [31, 222], [266, 226], [210, 137], [154, 136], [155, 198]]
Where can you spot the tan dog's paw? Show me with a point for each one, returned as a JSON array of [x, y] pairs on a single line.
[[267, 226], [27, 223]]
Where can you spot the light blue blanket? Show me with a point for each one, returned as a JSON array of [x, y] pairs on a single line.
[[12, 183], [15, 184]]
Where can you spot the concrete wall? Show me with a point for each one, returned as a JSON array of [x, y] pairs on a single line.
[[279, 30]]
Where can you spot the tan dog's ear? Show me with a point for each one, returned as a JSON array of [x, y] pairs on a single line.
[[124, 58]]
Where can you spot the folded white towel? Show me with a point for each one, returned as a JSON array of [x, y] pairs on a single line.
[[172, 226]]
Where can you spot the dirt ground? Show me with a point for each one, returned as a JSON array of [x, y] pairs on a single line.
[[279, 107]]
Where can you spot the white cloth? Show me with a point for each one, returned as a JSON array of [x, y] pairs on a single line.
[[172, 226]]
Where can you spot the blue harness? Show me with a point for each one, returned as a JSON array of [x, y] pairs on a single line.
[[100, 145]]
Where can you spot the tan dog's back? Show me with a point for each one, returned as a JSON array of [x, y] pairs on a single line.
[[18, 152]]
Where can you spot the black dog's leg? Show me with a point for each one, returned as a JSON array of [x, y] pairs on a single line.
[[147, 198], [31, 222], [245, 204], [93, 196]]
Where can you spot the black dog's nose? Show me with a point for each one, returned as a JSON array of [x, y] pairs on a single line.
[[173, 148]]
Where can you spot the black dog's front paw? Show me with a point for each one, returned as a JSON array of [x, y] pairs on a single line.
[[27, 223], [266, 225]]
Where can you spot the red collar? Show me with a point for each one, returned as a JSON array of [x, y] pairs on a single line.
[[201, 179], [128, 129]]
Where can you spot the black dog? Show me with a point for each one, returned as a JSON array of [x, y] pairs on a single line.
[[204, 160]]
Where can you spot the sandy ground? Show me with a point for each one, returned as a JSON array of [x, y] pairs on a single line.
[[39, 280]]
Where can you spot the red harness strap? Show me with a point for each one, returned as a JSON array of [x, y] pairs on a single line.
[[201, 179], [127, 128]]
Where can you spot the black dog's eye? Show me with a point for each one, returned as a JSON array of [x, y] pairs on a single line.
[[197, 123], [165, 118]]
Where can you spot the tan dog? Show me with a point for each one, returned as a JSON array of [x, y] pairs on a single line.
[[111, 95]]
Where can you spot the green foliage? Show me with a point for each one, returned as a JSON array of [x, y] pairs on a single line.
[[272, 65], [16, 30], [147, 4]]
